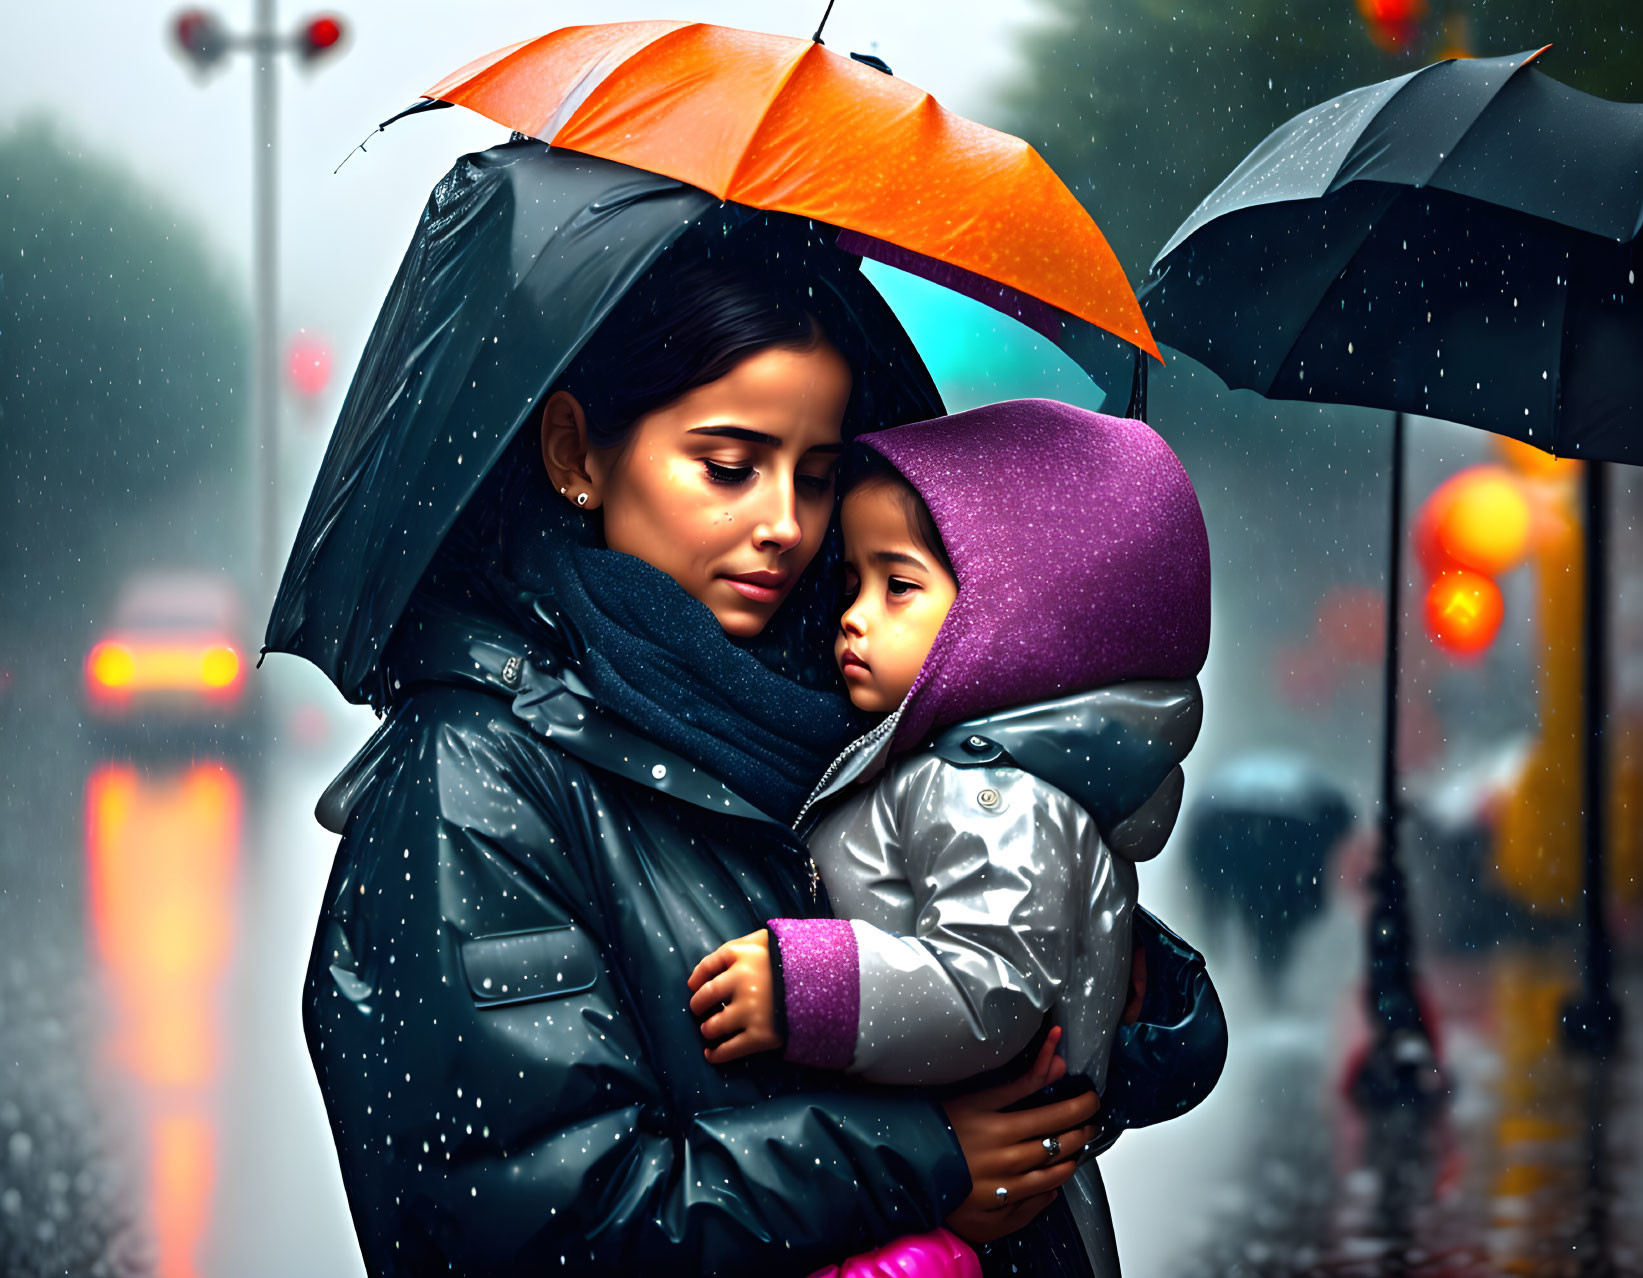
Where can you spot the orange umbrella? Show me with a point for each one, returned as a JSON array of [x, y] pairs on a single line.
[[780, 123]]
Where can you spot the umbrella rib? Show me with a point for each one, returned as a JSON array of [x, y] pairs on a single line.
[[733, 182], [1309, 312], [1454, 149]]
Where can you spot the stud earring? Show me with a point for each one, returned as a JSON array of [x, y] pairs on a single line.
[[581, 499]]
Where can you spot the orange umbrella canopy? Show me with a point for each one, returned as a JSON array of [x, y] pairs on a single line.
[[785, 124]]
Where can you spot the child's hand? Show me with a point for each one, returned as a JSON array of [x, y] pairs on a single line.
[[736, 976]]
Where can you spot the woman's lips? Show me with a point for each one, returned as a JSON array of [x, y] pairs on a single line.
[[760, 587]]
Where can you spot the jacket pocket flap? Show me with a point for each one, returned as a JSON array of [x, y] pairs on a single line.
[[517, 967]]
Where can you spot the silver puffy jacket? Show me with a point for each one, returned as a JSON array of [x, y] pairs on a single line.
[[990, 879]]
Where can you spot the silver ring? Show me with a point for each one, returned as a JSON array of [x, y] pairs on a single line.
[[1001, 1193], [1052, 1146], [581, 499]]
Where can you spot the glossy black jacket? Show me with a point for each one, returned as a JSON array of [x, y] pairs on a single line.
[[496, 1001]]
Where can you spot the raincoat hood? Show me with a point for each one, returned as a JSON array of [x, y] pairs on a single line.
[[1081, 555], [521, 253]]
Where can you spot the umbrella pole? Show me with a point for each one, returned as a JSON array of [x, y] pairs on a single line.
[[1593, 1021], [1401, 1066]]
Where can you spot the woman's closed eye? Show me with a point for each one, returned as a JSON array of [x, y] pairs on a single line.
[[728, 473], [817, 484], [899, 586]]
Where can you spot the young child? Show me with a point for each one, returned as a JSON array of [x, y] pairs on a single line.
[[1014, 570]]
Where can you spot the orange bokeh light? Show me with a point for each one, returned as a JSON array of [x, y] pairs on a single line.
[[1394, 25], [162, 880], [1532, 462], [183, 1154], [1464, 610], [118, 669], [1479, 519], [219, 667], [162, 870], [112, 665]]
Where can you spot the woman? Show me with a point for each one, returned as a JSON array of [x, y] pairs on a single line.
[[593, 742]]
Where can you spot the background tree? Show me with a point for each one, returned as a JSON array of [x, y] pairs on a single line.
[[121, 409], [1144, 105]]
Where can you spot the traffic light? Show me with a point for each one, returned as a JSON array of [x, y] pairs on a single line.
[[319, 36], [202, 37]]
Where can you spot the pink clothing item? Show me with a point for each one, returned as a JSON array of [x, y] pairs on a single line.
[[937, 1254], [1081, 556]]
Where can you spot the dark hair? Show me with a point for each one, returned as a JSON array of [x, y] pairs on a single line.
[[864, 468], [679, 329]]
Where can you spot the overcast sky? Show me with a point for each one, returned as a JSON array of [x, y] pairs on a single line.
[[107, 70]]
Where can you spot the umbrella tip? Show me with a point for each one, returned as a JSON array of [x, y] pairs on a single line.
[[829, 13]]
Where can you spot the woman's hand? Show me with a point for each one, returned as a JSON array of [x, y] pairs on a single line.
[[1029, 1153], [736, 976]]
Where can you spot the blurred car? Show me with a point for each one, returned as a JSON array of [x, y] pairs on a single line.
[[171, 660]]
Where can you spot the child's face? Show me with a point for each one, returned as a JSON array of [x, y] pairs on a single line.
[[899, 596]]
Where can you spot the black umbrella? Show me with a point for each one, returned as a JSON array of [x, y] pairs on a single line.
[[1258, 840], [521, 253], [1460, 242]]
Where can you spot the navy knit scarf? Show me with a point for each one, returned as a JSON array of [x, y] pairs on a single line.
[[657, 658]]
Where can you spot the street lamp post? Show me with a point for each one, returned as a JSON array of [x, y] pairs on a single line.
[[205, 41], [1401, 1066]]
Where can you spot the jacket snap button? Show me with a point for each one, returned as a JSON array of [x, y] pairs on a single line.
[[659, 771], [510, 672], [976, 745], [988, 798]]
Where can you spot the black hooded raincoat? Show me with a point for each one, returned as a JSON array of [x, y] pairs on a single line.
[[496, 1003]]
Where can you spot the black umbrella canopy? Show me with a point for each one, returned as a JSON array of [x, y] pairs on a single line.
[[1277, 783], [521, 253], [1258, 840], [1459, 242]]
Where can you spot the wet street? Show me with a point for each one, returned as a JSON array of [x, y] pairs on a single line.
[[1535, 1166]]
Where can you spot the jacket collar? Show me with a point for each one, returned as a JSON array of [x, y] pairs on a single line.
[[1108, 749], [545, 693]]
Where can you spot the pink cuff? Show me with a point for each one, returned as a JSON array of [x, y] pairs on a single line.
[[821, 980], [937, 1254]]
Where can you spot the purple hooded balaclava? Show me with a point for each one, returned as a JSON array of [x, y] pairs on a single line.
[[1081, 556]]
